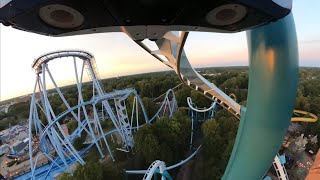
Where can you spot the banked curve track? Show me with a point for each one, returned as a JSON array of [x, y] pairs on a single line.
[[273, 76], [171, 47]]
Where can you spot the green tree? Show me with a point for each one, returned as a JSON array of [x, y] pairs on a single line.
[[152, 143], [89, 171], [72, 125], [200, 100], [149, 107], [181, 96]]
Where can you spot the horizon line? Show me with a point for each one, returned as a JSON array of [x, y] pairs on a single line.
[[159, 71]]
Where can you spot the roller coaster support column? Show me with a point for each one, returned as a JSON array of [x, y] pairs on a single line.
[[272, 90]]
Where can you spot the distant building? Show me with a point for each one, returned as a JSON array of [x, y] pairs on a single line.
[[301, 142], [22, 135], [212, 74], [5, 108], [314, 139], [6, 136], [295, 127], [5, 149], [13, 133], [20, 147], [24, 98]]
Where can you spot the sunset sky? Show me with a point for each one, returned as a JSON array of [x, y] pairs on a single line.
[[116, 54]]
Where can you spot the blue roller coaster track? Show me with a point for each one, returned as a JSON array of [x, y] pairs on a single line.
[[273, 72], [50, 139]]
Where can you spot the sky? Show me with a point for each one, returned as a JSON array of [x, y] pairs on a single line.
[[116, 54]]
